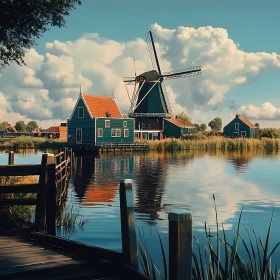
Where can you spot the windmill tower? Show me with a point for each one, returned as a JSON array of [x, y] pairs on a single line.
[[149, 101]]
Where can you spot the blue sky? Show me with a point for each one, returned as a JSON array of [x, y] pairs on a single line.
[[253, 26]]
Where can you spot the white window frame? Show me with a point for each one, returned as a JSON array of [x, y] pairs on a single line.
[[236, 126], [136, 135], [145, 136], [99, 129], [125, 124], [117, 132], [81, 135], [79, 112], [149, 125], [107, 122], [127, 132], [143, 125], [190, 130], [242, 132]]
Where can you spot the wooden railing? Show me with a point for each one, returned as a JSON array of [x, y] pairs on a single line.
[[46, 189]]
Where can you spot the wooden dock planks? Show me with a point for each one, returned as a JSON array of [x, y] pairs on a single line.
[[21, 258]]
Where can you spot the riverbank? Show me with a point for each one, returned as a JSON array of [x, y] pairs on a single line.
[[28, 142], [214, 143]]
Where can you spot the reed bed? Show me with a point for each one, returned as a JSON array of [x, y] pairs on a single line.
[[208, 264], [214, 143]]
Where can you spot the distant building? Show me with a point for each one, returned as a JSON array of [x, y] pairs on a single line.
[[57, 132], [10, 128], [97, 119], [177, 127], [241, 127]]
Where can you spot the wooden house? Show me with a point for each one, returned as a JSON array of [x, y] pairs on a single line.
[[176, 128], [57, 132], [241, 127], [97, 119]]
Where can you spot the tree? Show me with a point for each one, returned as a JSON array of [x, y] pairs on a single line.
[[197, 127], [3, 125], [21, 22], [203, 127], [216, 124], [32, 125], [184, 117], [21, 126]]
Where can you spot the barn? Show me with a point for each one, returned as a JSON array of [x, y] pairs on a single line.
[[97, 119], [241, 127], [174, 127]]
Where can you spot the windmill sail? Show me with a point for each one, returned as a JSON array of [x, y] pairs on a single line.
[[188, 72]]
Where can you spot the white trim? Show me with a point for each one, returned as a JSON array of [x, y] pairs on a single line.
[[109, 124], [87, 106], [95, 130], [83, 113], [101, 132], [81, 135], [76, 105], [126, 129], [242, 133], [125, 123], [235, 126]]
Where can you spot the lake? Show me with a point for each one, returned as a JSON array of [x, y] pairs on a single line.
[[165, 181]]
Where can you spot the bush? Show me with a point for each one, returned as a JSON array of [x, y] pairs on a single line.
[[270, 132]]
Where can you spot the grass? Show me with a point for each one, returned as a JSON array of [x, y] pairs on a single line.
[[30, 142], [214, 143], [207, 264]]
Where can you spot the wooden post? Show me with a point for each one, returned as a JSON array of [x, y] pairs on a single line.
[[11, 158], [180, 244], [51, 200], [40, 216], [129, 244]]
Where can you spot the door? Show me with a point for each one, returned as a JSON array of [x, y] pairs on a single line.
[[78, 135]]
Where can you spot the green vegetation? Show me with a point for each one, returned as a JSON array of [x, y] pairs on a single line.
[[208, 264], [184, 117], [22, 22], [201, 142], [16, 216], [216, 124], [270, 132], [30, 142]]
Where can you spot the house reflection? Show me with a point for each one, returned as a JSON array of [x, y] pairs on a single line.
[[239, 160]]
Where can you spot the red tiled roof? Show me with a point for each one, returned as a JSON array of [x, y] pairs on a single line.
[[100, 105], [246, 121], [180, 123], [57, 129]]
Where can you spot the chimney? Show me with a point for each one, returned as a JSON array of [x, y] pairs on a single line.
[[237, 115]]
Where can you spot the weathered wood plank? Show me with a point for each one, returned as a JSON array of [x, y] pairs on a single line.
[[20, 170], [18, 201], [23, 188]]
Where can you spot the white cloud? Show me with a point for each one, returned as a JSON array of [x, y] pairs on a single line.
[[266, 112], [48, 86]]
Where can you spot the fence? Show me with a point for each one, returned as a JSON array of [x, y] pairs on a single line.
[[47, 189]]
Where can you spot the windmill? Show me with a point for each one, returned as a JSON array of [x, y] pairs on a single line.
[[149, 99]]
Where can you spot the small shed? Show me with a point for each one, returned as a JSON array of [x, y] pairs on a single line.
[[57, 132], [177, 127], [241, 127], [97, 119]]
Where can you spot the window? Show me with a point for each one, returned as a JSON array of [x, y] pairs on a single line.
[[190, 130], [243, 133], [136, 135], [80, 112], [155, 134], [107, 123], [116, 132], [254, 135], [125, 124], [145, 136], [100, 132], [150, 125], [126, 132], [236, 126], [143, 125], [78, 135]]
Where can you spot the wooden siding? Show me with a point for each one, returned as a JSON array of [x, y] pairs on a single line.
[[86, 124], [172, 130], [115, 123], [153, 102], [230, 131]]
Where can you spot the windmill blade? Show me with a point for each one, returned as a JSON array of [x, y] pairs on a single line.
[[129, 80], [188, 72], [152, 51], [168, 105]]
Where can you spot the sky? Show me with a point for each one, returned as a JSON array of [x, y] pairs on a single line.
[[236, 43]]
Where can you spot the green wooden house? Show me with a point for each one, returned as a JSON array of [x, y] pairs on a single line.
[[176, 128], [97, 119], [241, 127]]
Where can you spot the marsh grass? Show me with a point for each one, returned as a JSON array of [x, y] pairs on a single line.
[[213, 143], [207, 263]]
